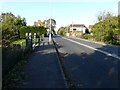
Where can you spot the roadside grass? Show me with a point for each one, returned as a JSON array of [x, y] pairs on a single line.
[[90, 37], [37, 40], [117, 42], [15, 75], [21, 42]]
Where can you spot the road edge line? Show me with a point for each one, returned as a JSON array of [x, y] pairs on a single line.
[[101, 51]]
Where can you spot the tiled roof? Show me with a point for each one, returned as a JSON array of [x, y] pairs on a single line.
[[77, 25], [36, 23]]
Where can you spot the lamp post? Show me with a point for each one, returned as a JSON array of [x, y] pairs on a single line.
[[72, 30], [50, 31], [67, 30]]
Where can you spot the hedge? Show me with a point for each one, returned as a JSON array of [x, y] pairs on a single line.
[[32, 29]]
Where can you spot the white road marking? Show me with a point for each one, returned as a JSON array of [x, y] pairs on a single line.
[[90, 41], [101, 51]]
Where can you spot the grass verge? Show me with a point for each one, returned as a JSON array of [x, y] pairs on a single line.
[[15, 75], [21, 42]]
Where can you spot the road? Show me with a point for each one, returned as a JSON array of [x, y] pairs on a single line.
[[90, 65]]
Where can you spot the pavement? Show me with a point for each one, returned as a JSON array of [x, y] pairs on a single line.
[[42, 69]]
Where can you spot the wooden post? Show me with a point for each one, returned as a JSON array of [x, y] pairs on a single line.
[[30, 41], [27, 39], [42, 36], [50, 37], [39, 40], [34, 38]]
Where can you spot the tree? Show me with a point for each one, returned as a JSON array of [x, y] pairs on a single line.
[[63, 30], [106, 28], [10, 28], [51, 24], [19, 22]]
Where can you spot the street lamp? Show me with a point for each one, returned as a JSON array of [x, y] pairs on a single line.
[[50, 23], [67, 30], [50, 32], [72, 30]]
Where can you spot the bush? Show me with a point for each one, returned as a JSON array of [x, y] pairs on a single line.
[[87, 36], [116, 42], [23, 41], [32, 29], [14, 38]]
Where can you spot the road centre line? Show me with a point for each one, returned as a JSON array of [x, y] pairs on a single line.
[[101, 51]]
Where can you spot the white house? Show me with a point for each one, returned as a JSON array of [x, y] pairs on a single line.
[[78, 27], [78, 30]]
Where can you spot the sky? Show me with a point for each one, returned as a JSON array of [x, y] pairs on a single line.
[[64, 12]]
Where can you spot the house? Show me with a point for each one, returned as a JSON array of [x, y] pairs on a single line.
[[44, 24], [36, 24], [78, 30], [40, 23]]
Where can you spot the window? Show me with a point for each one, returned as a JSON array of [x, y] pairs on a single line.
[[74, 29]]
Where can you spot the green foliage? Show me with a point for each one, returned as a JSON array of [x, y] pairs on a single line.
[[51, 24], [62, 30], [32, 29], [21, 41], [106, 28], [87, 36], [10, 28]]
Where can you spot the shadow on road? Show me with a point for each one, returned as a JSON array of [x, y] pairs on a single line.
[[92, 70], [42, 69]]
